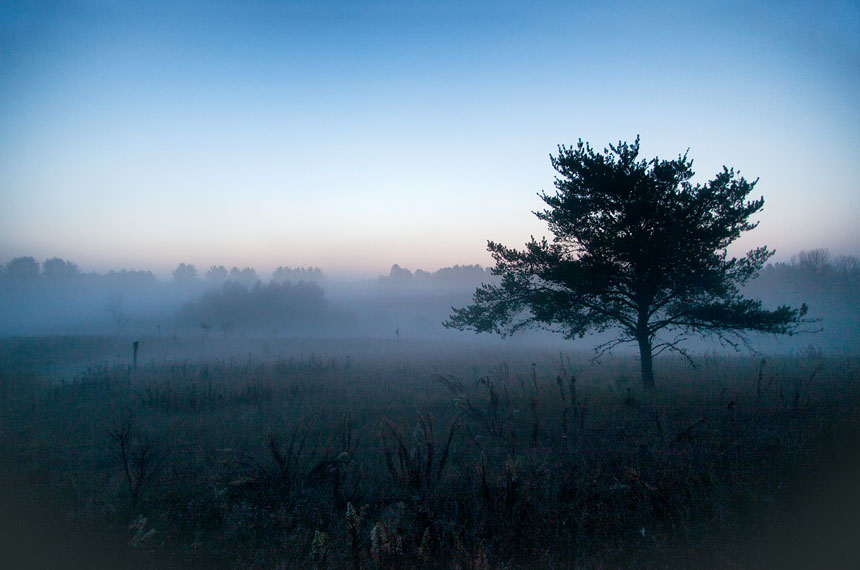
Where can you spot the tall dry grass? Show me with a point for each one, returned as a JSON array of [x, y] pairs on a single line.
[[431, 457]]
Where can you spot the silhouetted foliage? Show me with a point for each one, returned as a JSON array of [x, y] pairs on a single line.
[[247, 276], [125, 277], [398, 273], [636, 246], [185, 273], [272, 304], [817, 272], [814, 261], [22, 268], [57, 269], [847, 266], [217, 274], [831, 286], [284, 274], [461, 273], [470, 274]]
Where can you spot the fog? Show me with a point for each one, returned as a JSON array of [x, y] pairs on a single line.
[[55, 297]]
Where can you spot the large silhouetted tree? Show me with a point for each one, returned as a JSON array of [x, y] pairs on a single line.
[[637, 248]]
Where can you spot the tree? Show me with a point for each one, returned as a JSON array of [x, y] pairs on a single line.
[[116, 308], [125, 278], [272, 304], [283, 274], [847, 265], [398, 273], [217, 274], [185, 273], [814, 263], [57, 269], [246, 277], [637, 248], [22, 268]]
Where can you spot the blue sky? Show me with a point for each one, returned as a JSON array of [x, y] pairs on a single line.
[[353, 136]]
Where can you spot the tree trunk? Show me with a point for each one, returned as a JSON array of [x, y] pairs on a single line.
[[646, 360]]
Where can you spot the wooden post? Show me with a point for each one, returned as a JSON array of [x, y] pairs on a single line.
[[135, 344]]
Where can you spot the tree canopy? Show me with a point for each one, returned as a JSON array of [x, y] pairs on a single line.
[[637, 248], [185, 273], [22, 268], [57, 269]]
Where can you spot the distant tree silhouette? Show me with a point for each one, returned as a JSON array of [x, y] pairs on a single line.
[[57, 269], [116, 309], [829, 284], [445, 276], [278, 304], [461, 273], [636, 246], [284, 274], [813, 262], [247, 276], [398, 273], [847, 265], [22, 268], [217, 274], [130, 278], [184, 273]]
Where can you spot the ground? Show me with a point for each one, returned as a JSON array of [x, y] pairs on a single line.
[[288, 453]]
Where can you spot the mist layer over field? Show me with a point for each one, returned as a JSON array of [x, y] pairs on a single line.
[[55, 297]]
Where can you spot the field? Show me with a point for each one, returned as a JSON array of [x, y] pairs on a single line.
[[277, 454]]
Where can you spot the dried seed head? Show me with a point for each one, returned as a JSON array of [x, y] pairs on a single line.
[[319, 545], [353, 519], [379, 542]]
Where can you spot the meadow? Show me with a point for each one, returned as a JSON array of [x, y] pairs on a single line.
[[281, 453]]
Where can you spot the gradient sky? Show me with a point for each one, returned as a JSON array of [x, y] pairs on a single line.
[[355, 135]]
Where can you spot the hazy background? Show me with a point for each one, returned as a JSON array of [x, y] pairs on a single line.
[[55, 297], [352, 136]]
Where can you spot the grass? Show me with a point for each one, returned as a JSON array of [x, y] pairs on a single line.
[[375, 455]]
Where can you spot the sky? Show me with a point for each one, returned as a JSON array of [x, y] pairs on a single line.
[[355, 135]]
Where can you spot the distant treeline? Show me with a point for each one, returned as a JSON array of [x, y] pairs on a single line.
[[829, 285], [56, 269], [816, 269], [55, 297], [270, 305], [815, 277], [457, 273]]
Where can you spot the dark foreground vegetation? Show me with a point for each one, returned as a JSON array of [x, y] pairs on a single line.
[[375, 455]]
